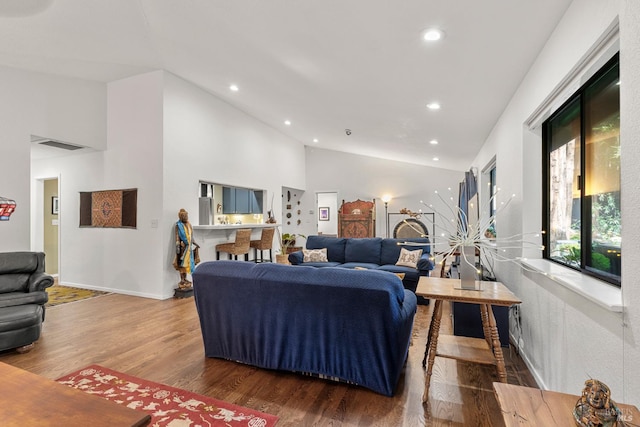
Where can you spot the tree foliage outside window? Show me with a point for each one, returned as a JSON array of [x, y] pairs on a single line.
[[582, 178]]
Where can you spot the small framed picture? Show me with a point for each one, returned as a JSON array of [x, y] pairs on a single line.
[[323, 214], [54, 205]]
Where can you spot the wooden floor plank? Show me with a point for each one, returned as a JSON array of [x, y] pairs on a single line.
[[161, 341]]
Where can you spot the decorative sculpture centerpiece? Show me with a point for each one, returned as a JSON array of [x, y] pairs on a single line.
[[475, 235], [470, 233], [595, 407]]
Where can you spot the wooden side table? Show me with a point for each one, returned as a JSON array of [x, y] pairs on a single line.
[[525, 406], [478, 350]]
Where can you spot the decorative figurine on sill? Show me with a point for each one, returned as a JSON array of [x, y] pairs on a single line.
[[271, 219], [186, 249], [595, 407]]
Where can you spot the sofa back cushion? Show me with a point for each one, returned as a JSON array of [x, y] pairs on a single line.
[[334, 245], [390, 251], [17, 267], [335, 285], [365, 250]]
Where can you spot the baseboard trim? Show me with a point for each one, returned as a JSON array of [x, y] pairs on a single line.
[[525, 358], [116, 291]]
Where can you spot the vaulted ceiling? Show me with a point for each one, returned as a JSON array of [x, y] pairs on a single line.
[[324, 65]]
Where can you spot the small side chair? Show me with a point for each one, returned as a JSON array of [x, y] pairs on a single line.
[[239, 247], [265, 243]]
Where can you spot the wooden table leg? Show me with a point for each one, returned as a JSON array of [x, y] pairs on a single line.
[[484, 315], [426, 348], [495, 344], [434, 331]]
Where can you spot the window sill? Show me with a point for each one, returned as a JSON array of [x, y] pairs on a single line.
[[597, 291]]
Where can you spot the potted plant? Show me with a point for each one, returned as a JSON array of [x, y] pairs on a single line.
[[287, 241]]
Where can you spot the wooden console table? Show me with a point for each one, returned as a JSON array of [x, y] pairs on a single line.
[[32, 400], [478, 350], [525, 406]]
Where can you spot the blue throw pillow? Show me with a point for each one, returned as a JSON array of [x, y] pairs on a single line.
[[365, 250]]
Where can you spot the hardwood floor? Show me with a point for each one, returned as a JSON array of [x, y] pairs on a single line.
[[161, 341]]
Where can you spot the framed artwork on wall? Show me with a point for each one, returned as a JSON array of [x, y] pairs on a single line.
[[323, 214], [54, 205], [109, 208]]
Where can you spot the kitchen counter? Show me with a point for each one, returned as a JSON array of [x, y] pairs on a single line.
[[208, 236], [232, 226]]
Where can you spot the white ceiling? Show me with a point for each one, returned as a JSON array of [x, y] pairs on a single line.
[[326, 65]]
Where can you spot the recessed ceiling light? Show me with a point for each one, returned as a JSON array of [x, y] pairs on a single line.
[[287, 122], [433, 34], [433, 142], [433, 106], [234, 88], [435, 159], [315, 140]]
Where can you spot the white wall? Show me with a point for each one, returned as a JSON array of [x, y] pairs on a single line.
[[630, 135], [81, 249], [206, 139], [40, 104], [164, 136], [360, 177], [118, 260], [133, 159], [566, 338]]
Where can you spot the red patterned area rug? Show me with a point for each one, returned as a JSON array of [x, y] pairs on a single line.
[[168, 406]]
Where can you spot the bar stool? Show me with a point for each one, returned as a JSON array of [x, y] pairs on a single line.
[[239, 247], [265, 242]]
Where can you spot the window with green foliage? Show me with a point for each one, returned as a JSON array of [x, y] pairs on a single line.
[[582, 178]]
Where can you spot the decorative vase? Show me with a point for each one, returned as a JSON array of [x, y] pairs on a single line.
[[282, 259], [467, 269]]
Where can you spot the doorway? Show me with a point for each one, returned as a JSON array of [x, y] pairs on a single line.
[[49, 220], [327, 213]]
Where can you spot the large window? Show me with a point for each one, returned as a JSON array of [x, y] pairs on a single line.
[[582, 178]]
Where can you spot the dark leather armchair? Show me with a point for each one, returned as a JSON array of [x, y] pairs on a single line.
[[22, 297]]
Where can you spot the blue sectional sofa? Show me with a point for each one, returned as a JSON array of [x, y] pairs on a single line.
[[371, 253], [350, 325]]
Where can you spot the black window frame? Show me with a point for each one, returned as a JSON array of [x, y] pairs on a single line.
[[585, 202]]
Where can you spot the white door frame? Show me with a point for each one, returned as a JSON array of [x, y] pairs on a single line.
[[37, 217], [332, 204]]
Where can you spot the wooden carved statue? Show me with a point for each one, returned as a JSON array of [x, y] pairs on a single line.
[[186, 249]]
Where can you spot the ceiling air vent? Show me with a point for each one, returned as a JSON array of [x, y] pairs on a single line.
[[62, 145]]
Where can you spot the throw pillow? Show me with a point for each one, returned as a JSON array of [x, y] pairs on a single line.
[[409, 258], [315, 255]]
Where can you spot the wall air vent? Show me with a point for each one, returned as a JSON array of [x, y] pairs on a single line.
[[62, 145]]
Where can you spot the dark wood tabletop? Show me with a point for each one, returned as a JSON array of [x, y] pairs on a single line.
[[32, 400]]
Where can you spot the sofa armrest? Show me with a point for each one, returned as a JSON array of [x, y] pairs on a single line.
[[39, 281], [296, 258], [425, 264]]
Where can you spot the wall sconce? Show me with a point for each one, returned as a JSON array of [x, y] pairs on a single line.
[[7, 206], [386, 199]]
